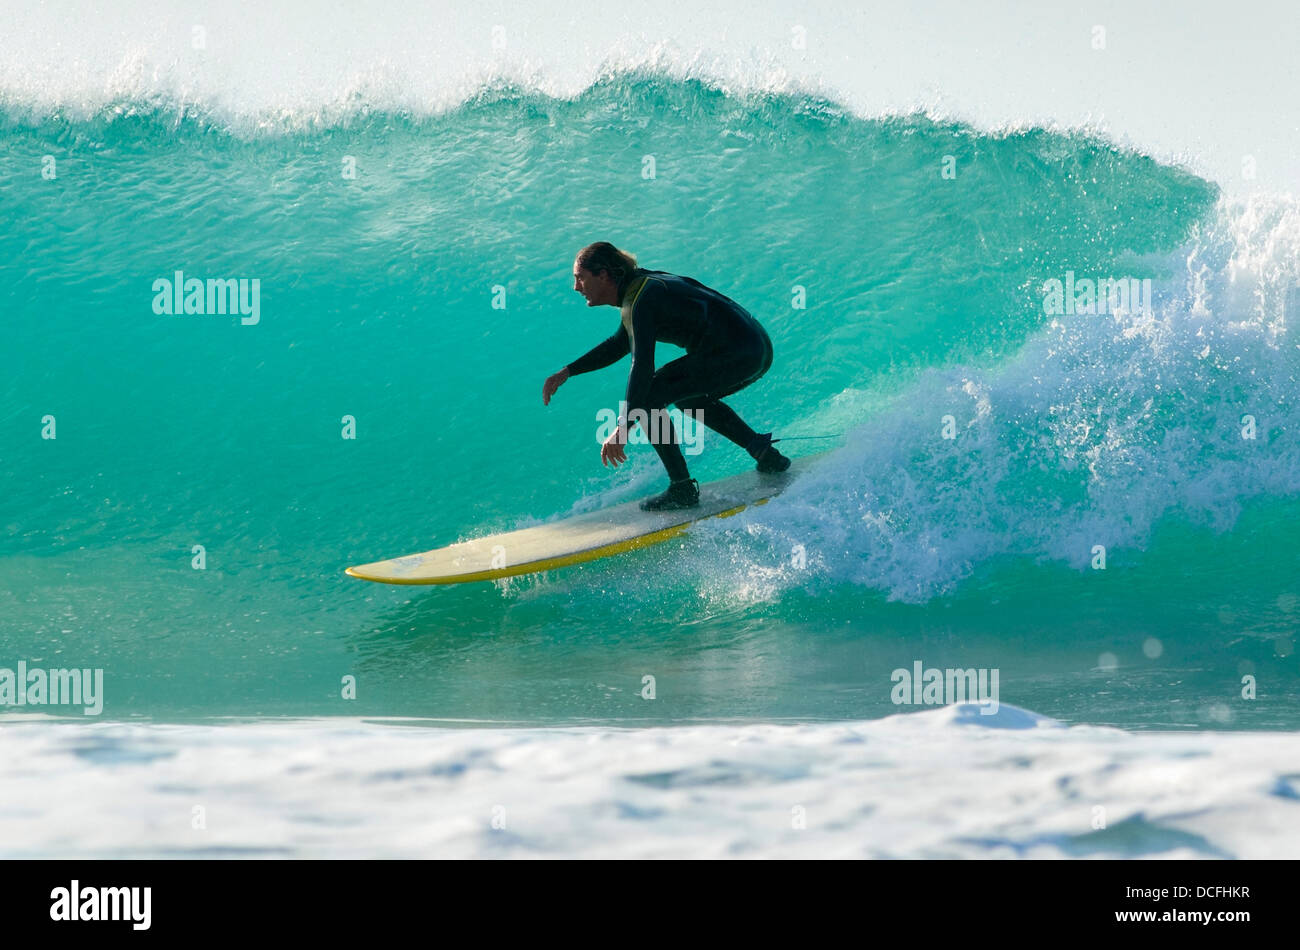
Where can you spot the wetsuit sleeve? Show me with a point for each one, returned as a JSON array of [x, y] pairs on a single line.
[[602, 354], [642, 342]]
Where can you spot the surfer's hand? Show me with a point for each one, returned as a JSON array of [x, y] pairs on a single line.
[[553, 382], [612, 451]]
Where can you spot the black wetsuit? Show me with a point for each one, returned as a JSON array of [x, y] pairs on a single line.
[[726, 350]]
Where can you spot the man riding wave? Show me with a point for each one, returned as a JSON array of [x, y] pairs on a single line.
[[726, 350]]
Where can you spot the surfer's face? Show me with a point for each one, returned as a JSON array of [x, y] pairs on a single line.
[[598, 289]]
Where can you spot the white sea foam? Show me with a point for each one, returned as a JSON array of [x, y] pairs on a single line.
[[943, 783], [1100, 427]]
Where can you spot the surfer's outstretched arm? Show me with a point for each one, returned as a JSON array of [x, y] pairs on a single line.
[[642, 344], [603, 354]]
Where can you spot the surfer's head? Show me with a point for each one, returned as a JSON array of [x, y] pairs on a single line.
[[601, 273]]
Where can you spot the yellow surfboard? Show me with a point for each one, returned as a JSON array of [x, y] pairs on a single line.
[[585, 537]]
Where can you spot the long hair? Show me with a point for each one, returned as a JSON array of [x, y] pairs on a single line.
[[603, 256]]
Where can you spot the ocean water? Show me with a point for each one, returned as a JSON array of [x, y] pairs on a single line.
[[1100, 507]]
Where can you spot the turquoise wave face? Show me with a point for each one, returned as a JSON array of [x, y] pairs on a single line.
[[408, 281]]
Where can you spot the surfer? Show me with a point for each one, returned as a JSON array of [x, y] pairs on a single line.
[[726, 350]]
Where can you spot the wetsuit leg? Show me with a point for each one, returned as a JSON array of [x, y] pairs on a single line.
[[696, 381], [720, 417], [670, 379]]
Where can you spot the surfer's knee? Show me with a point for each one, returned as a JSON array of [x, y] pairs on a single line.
[[695, 402]]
